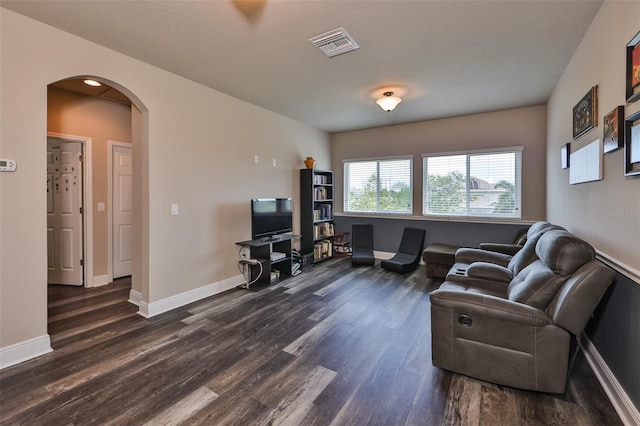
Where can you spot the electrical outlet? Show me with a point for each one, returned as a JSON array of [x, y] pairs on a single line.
[[274, 162], [256, 159]]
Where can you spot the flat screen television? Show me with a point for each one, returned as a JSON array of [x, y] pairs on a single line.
[[271, 216]]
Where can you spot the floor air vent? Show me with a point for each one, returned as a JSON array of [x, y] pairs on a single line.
[[334, 42]]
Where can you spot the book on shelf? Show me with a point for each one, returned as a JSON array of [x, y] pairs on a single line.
[[323, 212], [320, 194], [322, 230], [323, 249], [321, 180]]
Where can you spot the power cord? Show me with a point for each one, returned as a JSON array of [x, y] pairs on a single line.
[[244, 266]]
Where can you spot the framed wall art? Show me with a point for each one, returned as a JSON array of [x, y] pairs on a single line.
[[586, 163], [632, 145], [565, 154], [585, 113], [613, 125], [633, 69]]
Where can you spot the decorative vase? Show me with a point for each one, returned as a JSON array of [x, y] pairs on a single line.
[[309, 162]]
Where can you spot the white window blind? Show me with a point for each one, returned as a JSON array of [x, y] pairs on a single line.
[[473, 184], [378, 186]]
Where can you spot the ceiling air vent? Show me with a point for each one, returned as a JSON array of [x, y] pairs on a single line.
[[334, 42]]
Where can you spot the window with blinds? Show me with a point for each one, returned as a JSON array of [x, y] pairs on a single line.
[[473, 184], [378, 186]]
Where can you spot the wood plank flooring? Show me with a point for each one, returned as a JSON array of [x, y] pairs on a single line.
[[335, 345]]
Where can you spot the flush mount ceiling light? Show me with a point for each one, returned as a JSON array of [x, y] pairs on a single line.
[[93, 83], [388, 102]]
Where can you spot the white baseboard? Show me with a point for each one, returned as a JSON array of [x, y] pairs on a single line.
[[135, 297], [101, 280], [382, 255], [23, 351], [149, 310], [628, 413]]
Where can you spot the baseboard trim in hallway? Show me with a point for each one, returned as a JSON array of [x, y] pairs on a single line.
[[25, 350], [167, 304]]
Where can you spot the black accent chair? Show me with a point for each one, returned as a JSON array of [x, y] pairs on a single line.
[[408, 255], [362, 244]]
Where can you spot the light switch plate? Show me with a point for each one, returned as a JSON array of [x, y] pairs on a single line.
[[175, 210]]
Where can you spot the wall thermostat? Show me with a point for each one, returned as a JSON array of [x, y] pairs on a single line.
[[7, 165]]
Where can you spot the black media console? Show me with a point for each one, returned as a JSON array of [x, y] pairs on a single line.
[[274, 254]]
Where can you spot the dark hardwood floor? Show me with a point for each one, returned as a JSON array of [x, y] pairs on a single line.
[[335, 345]]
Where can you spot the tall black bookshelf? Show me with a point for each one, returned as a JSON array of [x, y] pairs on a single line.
[[316, 213]]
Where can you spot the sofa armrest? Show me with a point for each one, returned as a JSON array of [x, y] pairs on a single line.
[[470, 255], [489, 307], [509, 249], [489, 271], [497, 340]]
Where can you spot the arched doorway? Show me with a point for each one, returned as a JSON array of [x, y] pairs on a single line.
[[98, 259]]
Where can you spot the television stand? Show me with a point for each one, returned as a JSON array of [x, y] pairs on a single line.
[[262, 250], [270, 239]]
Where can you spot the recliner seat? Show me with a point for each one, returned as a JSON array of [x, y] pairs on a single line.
[[461, 271], [517, 333]]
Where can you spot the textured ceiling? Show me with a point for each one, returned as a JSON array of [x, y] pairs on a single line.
[[445, 58]]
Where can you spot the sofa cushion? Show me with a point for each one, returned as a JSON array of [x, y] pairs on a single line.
[[536, 285], [454, 286], [563, 252], [527, 254]]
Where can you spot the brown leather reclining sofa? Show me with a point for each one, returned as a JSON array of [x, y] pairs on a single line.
[[510, 322]]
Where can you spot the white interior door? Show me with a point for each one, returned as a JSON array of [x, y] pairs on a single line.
[[122, 212], [64, 216]]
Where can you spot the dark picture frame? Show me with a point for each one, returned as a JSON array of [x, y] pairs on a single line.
[[632, 145], [565, 154], [585, 113], [633, 69], [613, 130]]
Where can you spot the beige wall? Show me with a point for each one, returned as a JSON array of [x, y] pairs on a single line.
[[606, 213], [197, 144], [102, 121], [517, 127]]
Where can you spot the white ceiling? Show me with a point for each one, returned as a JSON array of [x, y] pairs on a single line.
[[445, 58]]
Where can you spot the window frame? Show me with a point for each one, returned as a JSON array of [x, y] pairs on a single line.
[[345, 193], [518, 150]]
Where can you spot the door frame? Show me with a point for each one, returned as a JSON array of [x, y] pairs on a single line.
[[87, 201], [110, 145]]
